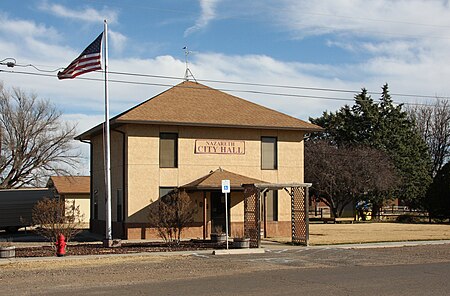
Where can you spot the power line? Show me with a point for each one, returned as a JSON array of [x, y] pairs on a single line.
[[12, 64], [275, 85], [220, 89]]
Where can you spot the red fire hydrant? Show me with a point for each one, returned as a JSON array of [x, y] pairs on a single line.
[[61, 246]]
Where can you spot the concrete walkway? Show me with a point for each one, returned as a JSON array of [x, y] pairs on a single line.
[[276, 245]]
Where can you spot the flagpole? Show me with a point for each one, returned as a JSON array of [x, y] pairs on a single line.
[[108, 234]]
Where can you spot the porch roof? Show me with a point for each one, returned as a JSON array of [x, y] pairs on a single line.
[[213, 181]]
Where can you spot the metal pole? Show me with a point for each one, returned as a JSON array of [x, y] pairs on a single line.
[[107, 143], [226, 217]]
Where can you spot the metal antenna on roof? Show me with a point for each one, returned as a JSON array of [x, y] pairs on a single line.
[[188, 72]]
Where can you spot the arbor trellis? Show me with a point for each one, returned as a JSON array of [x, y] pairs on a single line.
[[299, 196]]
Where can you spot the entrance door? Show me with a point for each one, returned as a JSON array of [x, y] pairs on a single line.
[[218, 211]]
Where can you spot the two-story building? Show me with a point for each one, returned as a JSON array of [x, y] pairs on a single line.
[[191, 137]]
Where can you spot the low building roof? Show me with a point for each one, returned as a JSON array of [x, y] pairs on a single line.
[[194, 104], [213, 181], [70, 184]]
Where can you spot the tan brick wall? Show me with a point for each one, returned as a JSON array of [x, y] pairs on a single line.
[[143, 177], [83, 202]]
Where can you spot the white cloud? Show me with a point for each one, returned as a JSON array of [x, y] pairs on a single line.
[[208, 14], [382, 19], [26, 39], [14, 27], [398, 46], [118, 40], [86, 15]]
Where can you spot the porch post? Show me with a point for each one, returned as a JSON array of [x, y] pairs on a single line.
[[307, 214], [251, 215], [258, 216], [264, 204], [205, 224]]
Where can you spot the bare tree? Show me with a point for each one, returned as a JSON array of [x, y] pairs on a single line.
[[433, 123], [170, 214], [54, 217], [35, 142], [342, 175]]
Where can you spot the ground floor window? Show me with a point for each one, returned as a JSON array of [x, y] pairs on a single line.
[[165, 190]]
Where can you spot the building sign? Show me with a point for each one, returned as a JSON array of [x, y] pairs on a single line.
[[219, 147]]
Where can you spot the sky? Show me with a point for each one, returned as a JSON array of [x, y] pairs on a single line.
[[303, 57]]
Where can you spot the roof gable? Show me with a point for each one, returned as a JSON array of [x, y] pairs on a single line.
[[213, 180]]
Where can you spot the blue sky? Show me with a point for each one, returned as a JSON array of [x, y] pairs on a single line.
[[337, 44]]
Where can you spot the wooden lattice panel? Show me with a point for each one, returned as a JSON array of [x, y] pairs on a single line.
[[299, 219], [251, 218]]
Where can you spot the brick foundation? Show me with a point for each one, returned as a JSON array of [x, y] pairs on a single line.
[[136, 231]]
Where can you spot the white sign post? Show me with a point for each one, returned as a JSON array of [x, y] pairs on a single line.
[[226, 189]]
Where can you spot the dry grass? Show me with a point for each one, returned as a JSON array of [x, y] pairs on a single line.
[[375, 232], [326, 234]]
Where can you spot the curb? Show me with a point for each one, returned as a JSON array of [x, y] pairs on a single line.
[[387, 244], [239, 251], [265, 248]]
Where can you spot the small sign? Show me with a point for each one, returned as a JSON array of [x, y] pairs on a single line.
[[226, 186]]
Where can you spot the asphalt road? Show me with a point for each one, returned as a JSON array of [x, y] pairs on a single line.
[[423, 279], [418, 270]]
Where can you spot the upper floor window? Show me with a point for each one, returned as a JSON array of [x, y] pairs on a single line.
[[168, 150], [269, 153]]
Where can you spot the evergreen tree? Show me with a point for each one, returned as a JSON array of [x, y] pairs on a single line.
[[386, 127]]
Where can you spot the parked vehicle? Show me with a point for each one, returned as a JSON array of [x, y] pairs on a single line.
[[16, 206]]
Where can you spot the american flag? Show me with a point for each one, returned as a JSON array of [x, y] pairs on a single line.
[[89, 60]]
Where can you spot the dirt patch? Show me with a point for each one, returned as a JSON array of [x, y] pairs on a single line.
[[327, 234], [127, 248]]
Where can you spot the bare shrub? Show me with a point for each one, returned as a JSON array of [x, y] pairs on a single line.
[[342, 175], [170, 214], [54, 217]]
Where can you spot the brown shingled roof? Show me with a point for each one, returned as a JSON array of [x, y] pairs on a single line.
[[191, 103], [70, 184], [213, 180], [194, 104]]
